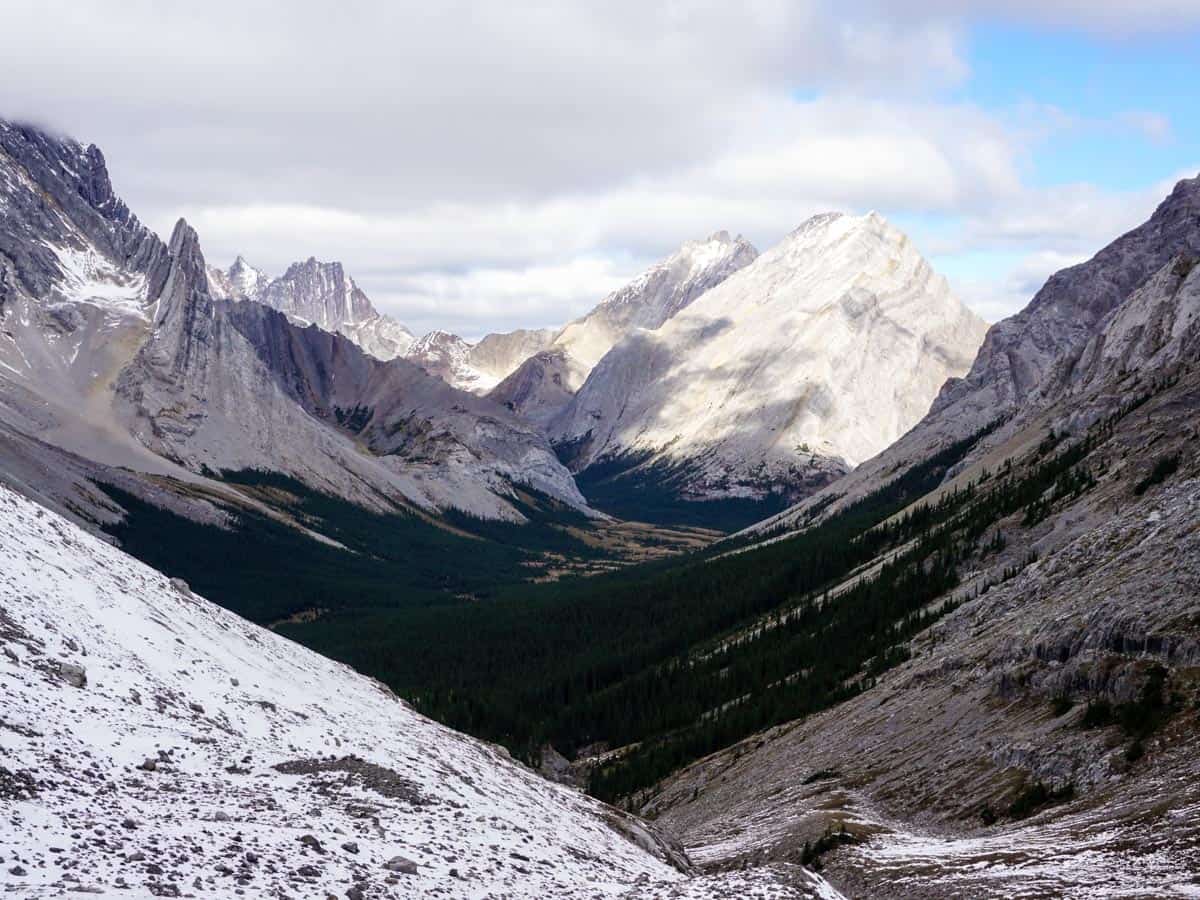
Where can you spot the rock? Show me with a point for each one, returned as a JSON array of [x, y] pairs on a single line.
[[181, 586], [220, 816], [18, 871], [129, 823], [309, 840], [196, 708], [139, 856], [12, 654], [72, 674], [148, 765], [355, 893], [308, 871], [401, 864], [350, 847]]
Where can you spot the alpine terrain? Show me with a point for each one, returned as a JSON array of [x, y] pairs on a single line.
[[955, 653], [542, 385], [320, 294], [116, 349], [971, 671], [153, 744], [804, 363]]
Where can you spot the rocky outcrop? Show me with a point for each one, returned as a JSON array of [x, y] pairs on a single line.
[[56, 192], [318, 293]]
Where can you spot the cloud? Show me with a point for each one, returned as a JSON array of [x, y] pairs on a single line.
[[1109, 18], [474, 163]]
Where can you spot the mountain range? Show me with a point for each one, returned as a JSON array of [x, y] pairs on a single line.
[[813, 357], [960, 660], [115, 349]]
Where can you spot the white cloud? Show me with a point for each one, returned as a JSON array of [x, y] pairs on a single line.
[[474, 164]]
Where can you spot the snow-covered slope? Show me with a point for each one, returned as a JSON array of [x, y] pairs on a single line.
[[241, 281], [812, 358], [150, 740], [448, 357]]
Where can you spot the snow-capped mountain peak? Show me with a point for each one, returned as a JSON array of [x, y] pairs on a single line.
[[811, 358], [246, 279]]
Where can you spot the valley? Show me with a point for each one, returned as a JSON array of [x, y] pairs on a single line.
[[776, 574]]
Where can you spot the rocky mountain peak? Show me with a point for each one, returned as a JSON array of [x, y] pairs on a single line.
[[1032, 357], [319, 292], [246, 280], [84, 213]]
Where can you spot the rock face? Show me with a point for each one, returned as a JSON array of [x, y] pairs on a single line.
[[1019, 352], [317, 293], [116, 348], [319, 400], [802, 364], [498, 355], [59, 206], [132, 782]]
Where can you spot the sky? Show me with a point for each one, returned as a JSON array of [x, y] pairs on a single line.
[[483, 166]]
